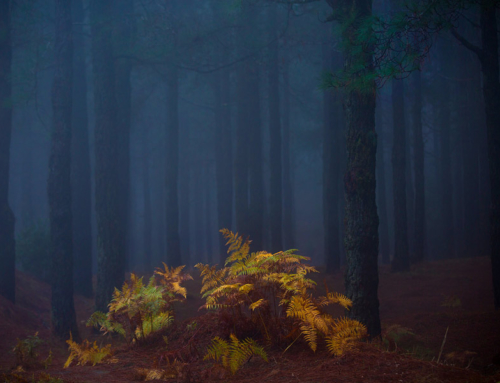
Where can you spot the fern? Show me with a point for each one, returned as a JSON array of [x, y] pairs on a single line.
[[26, 350], [268, 287], [86, 353], [234, 354], [345, 333], [137, 309]]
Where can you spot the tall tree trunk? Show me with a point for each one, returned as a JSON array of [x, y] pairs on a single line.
[[172, 169], [123, 67], [207, 202], [110, 256], [401, 260], [256, 204], [7, 242], [288, 206], [80, 172], [330, 167], [410, 191], [445, 176], [491, 92], [385, 248], [242, 145], [361, 237], [419, 170], [59, 182], [147, 229], [275, 147], [223, 154]]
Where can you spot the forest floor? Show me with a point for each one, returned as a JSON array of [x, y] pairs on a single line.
[[417, 309]]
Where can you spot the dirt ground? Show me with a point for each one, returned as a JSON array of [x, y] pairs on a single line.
[[417, 309]]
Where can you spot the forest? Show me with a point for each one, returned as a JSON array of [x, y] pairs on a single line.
[[249, 190]]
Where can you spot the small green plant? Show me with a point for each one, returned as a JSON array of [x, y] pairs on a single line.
[[235, 353], [26, 352], [138, 310], [86, 353]]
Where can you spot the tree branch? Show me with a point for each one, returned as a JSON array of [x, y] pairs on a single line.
[[466, 43]]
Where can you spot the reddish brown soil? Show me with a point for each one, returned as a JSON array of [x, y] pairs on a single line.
[[416, 311]]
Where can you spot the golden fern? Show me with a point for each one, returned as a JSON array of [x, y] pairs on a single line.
[[86, 353], [234, 354], [344, 334], [311, 319], [335, 298]]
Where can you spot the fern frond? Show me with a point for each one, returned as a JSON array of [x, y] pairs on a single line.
[[234, 354], [257, 304], [333, 298], [345, 333], [86, 353]]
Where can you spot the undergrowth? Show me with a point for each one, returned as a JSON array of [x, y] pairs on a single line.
[[271, 295], [138, 310], [86, 353], [235, 353], [26, 352]]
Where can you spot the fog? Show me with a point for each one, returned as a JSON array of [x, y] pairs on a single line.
[[196, 115]]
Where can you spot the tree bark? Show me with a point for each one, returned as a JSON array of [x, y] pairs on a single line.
[[110, 256], [401, 260], [80, 172], [361, 237], [59, 182], [7, 241], [275, 148]]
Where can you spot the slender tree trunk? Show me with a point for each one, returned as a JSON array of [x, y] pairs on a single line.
[[288, 216], [330, 168], [59, 182], [209, 229], [242, 145], [223, 154], [401, 260], [361, 238], [385, 248], [123, 68], [185, 162], [491, 92], [110, 256], [410, 191], [255, 163], [147, 230], [80, 172], [275, 148], [419, 170], [445, 159], [172, 169], [7, 242]]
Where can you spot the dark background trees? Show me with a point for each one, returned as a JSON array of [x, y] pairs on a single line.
[[191, 116]]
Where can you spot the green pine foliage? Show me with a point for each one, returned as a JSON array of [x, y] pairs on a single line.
[[139, 309], [273, 291]]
